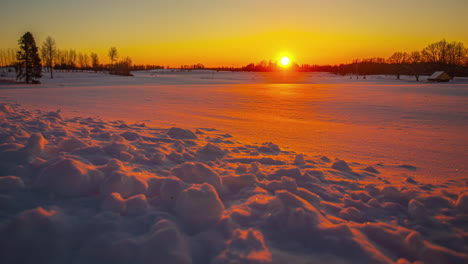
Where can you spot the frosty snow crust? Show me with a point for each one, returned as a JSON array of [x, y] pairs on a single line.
[[82, 190]]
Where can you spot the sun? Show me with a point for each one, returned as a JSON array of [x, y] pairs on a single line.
[[285, 61]]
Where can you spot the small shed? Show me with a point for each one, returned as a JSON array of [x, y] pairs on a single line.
[[439, 76]]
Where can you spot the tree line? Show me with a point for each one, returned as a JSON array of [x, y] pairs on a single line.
[[451, 57], [29, 60]]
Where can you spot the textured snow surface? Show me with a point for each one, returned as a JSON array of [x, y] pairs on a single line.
[[85, 190], [378, 119]]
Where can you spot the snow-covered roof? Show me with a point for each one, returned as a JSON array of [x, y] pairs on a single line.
[[438, 74]]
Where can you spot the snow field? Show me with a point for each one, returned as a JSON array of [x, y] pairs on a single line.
[[84, 190]]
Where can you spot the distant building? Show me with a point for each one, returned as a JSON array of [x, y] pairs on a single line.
[[439, 76]]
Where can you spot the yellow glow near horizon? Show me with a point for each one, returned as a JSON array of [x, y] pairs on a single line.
[[285, 61], [235, 33]]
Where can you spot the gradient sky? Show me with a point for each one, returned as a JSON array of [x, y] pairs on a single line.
[[234, 33]]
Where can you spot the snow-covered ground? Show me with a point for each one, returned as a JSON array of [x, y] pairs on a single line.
[[222, 167], [379, 119]]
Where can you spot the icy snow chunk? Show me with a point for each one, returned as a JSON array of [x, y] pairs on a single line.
[[341, 165], [199, 206], [372, 190], [11, 184], [235, 183], [462, 202], [372, 170], [129, 135], [316, 174], [197, 173], [299, 160], [285, 183], [55, 115], [114, 165], [70, 144], [70, 177], [211, 151], [391, 193], [290, 200], [269, 147], [115, 148], [114, 203], [166, 244], [417, 210], [309, 196], [300, 223], [33, 236], [126, 185], [36, 144], [137, 205], [179, 133], [245, 246], [170, 189]]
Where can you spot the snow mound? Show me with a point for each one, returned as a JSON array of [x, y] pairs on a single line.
[[70, 144], [11, 184], [211, 151], [180, 133], [37, 231], [462, 202], [114, 203], [341, 165], [166, 244], [197, 173], [245, 246], [199, 206], [124, 184], [136, 205], [69, 177]]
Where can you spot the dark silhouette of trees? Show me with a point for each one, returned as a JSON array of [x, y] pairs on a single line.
[[415, 64], [439, 56], [7, 58], [94, 61], [49, 52], [83, 61], [123, 67], [113, 54], [29, 65], [398, 59]]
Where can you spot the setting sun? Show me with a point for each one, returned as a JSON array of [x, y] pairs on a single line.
[[285, 61]]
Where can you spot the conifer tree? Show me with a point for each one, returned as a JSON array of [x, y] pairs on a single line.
[[29, 65]]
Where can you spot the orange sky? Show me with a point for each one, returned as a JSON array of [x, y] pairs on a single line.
[[234, 33]]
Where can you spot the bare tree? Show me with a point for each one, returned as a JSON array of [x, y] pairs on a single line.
[[123, 67], [71, 58], [86, 60], [414, 64], [82, 60], [94, 61], [436, 52], [3, 59], [113, 54], [455, 53], [7, 58], [398, 59], [49, 53]]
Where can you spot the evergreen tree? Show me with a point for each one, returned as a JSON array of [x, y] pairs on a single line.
[[29, 65]]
